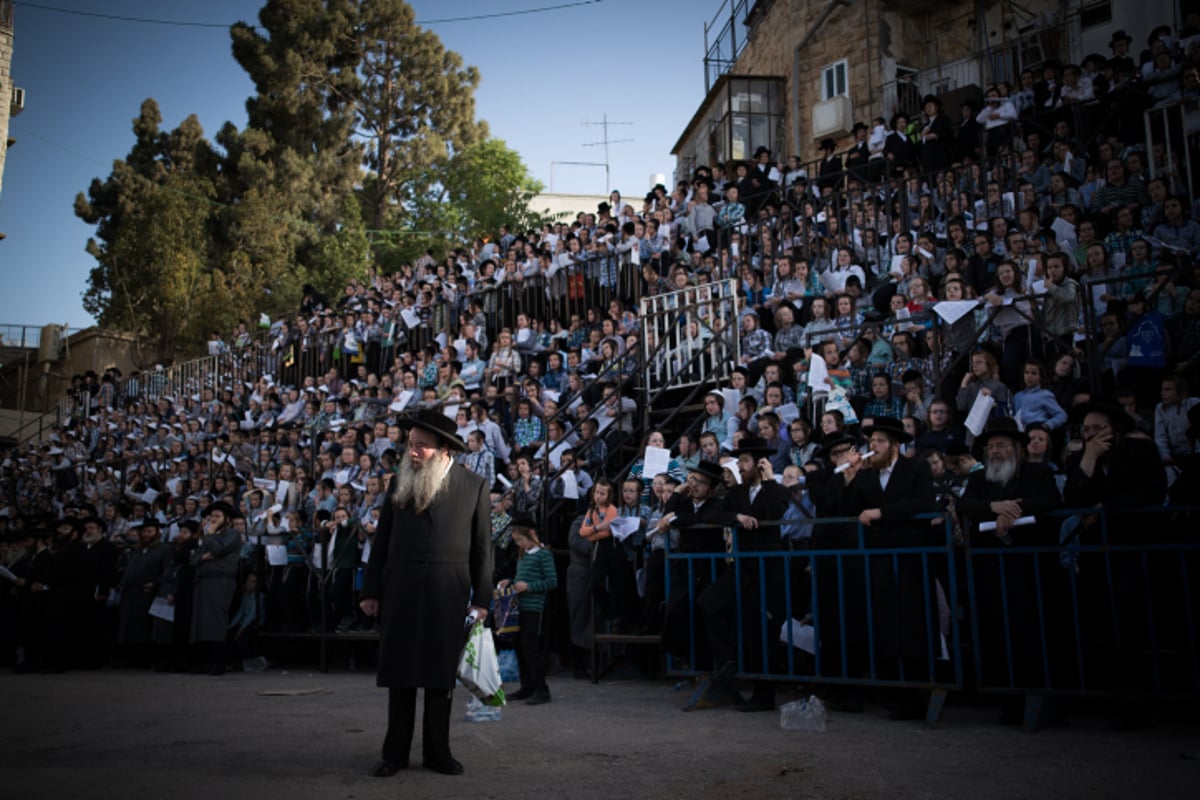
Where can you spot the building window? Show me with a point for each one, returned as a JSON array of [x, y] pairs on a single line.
[[1094, 15], [833, 80]]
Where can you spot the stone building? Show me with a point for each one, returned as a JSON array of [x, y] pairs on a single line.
[[786, 74], [12, 99]]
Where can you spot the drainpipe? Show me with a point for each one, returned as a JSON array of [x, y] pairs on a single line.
[[829, 9]]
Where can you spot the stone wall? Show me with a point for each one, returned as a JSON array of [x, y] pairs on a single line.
[[6, 82]]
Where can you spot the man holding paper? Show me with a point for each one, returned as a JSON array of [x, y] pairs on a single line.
[[1003, 501]]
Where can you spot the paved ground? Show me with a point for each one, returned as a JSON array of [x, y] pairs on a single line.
[[143, 735]]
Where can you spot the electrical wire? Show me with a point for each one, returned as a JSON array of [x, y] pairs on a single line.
[[223, 26]]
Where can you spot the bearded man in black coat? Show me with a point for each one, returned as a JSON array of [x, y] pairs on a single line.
[[430, 566], [1027, 589]]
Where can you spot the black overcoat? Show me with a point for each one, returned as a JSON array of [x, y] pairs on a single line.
[[423, 570], [902, 619]]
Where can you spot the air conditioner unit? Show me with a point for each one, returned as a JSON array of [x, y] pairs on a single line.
[[18, 101], [832, 117]]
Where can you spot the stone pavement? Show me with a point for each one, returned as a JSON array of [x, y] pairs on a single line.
[[126, 734]]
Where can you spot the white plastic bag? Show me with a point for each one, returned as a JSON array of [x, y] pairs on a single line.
[[478, 667]]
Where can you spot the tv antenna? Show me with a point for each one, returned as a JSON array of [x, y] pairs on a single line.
[[605, 123]]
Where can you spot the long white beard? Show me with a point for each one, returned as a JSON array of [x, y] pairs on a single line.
[[1000, 472], [420, 487]]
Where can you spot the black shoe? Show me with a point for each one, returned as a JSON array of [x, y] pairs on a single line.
[[387, 769], [521, 694], [446, 766], [538, 698]]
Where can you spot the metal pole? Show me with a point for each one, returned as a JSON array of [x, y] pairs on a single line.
[[24, 381]]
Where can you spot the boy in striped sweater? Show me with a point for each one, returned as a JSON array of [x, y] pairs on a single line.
[[535, 578]]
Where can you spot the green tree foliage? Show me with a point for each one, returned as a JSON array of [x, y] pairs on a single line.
[[468, 196], [416, 109], [361, 139], [152, 242]]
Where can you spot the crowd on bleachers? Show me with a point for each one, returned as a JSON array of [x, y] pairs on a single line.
[[1021, 253]]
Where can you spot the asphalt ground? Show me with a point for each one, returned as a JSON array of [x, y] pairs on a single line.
[[127, 734]]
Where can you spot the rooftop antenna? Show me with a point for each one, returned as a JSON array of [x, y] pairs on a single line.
[[605, 142]]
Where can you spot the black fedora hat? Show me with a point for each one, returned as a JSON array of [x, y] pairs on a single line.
[[1119, 36], [828, 144], [838, 440], [859, 126], [713, 472], [1120, 421], [754, 446], [436, 423], [931, 98], [761, 149], [893, 427], [523, 520], [1001, 426]]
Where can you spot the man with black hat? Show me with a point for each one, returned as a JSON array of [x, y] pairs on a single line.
[[886, 492], [1119, 44], [100, 573], [32, 577], [688, 519], [70, 596], [215, 561], [829, 171], [858, 159], [756, 499], [430, 565], [1121, 474], [934, 136], [1010, 488], [139, 586]]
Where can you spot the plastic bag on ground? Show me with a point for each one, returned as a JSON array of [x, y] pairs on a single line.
[[803, 715]]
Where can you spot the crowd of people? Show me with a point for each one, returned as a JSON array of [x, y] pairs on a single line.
[[980, 320]]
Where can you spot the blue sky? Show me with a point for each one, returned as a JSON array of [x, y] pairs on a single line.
[[543, 75]]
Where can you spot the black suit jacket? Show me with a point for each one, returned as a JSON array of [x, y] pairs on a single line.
[[770, 504], [1034, 486], [909, 492]]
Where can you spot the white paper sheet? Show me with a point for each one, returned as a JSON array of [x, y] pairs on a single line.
[[161, 609], [570, 485], [624, 527], [410, 317], [818, 374], [978, 416], [990, 526], [657, 459], [277, 555], [788, 412], [953, 310], [802, 636]]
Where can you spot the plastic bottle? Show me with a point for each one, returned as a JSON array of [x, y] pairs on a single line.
[[477, 711], [803, 715]]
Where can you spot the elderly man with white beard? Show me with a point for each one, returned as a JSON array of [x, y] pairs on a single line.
[[1010, 488], [430, 566]]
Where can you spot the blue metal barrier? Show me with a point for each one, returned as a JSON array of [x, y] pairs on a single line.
[[929, 671], [1113, 617]]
